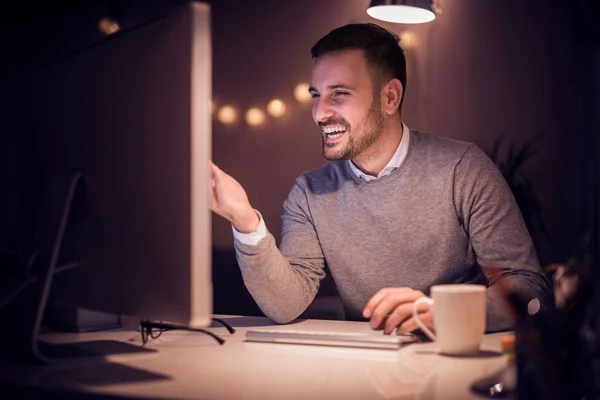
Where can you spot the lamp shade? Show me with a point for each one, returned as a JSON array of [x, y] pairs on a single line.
[[402, 11]]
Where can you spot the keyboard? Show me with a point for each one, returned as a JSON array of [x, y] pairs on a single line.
[[343, 339]]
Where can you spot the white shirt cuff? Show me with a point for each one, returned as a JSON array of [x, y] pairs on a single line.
[[252, 238]]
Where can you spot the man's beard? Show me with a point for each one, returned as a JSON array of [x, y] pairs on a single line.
[[371, 127]]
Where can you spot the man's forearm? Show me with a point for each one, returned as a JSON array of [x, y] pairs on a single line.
[[282, 291]]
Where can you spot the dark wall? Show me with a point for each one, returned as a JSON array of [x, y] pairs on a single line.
[[592, 194], [12, 160]]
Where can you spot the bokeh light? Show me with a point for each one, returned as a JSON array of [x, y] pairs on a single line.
[[276, 108], [255, 116], [227, 115], [108, 26], [408, 40], [301, 93]]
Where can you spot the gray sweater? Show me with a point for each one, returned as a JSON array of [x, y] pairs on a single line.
[[444, 212]]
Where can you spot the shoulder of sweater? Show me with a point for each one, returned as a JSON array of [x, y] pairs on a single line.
[[428, 139], [441, 147], [323, 180], [329, 171]]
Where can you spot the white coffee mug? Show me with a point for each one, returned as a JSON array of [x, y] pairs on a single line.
[[458, 315]]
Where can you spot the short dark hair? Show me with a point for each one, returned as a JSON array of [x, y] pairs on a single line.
[[381, 48]]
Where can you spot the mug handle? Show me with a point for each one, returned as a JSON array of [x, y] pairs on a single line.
[[415, 312]]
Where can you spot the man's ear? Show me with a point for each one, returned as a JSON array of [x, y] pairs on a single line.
[[391, 96]]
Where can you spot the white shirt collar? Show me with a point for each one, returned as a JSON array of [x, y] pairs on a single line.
[[394, 162]]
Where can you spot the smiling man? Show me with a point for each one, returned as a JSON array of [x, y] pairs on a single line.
[[394, 212]]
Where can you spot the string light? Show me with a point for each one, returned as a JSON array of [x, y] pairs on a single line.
[[408, 40], [301, 93], [276, 108], [227, 115], [255, 116]]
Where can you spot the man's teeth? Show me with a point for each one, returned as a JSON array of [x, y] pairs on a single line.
[[334, 131]]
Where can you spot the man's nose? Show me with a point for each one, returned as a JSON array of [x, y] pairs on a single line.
[[322, 111]]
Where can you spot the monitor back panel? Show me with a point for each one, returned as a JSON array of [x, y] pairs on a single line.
[[132, 113]]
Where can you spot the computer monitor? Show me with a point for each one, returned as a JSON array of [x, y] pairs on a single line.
[[132, 115]]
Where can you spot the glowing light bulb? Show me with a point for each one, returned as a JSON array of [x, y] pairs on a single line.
[[227, 115], [276, 108], [301, 93], [255, 116]]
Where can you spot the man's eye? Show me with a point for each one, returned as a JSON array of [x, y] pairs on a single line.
[[341, 93], [314, 95]]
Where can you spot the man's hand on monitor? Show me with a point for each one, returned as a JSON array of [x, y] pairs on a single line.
[[391, 309], [229, 200]]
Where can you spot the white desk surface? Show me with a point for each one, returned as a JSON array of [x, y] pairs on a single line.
[[189, 365]]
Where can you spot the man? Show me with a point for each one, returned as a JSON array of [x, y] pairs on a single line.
[[394, 212]]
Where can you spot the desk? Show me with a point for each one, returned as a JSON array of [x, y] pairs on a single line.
[[185, 365]]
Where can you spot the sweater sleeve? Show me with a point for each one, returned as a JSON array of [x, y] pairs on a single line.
[[284, 281], [500, 240]]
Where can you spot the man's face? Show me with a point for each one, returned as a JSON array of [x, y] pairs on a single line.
[[344, 105]]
